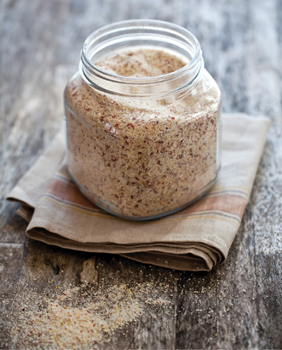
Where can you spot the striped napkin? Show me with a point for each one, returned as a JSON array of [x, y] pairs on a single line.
[[194, 239]]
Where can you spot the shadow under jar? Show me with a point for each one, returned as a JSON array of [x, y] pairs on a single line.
[[143, 120]]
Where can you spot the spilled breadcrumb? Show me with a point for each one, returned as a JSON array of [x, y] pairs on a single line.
[[80, 317]]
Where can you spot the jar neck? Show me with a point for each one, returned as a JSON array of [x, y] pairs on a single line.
[[135, 33]]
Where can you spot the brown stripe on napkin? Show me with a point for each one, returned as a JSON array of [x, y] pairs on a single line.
[[196, 238], [64, 190]]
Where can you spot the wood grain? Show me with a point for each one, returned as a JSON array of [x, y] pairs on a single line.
[[239, 304], [10, 269]]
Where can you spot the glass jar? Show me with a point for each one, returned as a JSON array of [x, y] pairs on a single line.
[[141, 147]]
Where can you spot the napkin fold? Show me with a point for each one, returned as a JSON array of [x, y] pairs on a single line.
[[194, 239]]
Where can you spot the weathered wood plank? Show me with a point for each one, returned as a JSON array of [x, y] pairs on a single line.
[[44, 270], [269, 300], [10, 268], [155, 328], [12, 227], [197, 316], [237, 292]]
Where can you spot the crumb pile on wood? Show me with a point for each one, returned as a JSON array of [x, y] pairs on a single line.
[[80, 317]]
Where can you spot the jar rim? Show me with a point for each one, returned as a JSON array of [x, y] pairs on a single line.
[[93, 44]]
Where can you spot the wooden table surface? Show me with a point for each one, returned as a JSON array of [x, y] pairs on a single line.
[[236, 306]]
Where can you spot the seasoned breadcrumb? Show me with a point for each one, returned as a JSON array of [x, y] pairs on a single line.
[[141, 158]]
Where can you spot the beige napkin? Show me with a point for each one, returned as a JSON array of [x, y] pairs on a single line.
[[196, 238]]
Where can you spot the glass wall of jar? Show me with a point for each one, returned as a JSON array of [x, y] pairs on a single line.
[[143, 120]]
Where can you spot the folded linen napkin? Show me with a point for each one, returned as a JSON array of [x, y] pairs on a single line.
[[194, 239]]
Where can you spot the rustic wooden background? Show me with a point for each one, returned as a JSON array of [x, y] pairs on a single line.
[[242, 44]]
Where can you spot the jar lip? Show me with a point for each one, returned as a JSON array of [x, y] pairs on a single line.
[[145, 24]]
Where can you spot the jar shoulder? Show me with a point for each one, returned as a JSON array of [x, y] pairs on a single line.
[[96, 107], [72, 87], [209, 84]]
